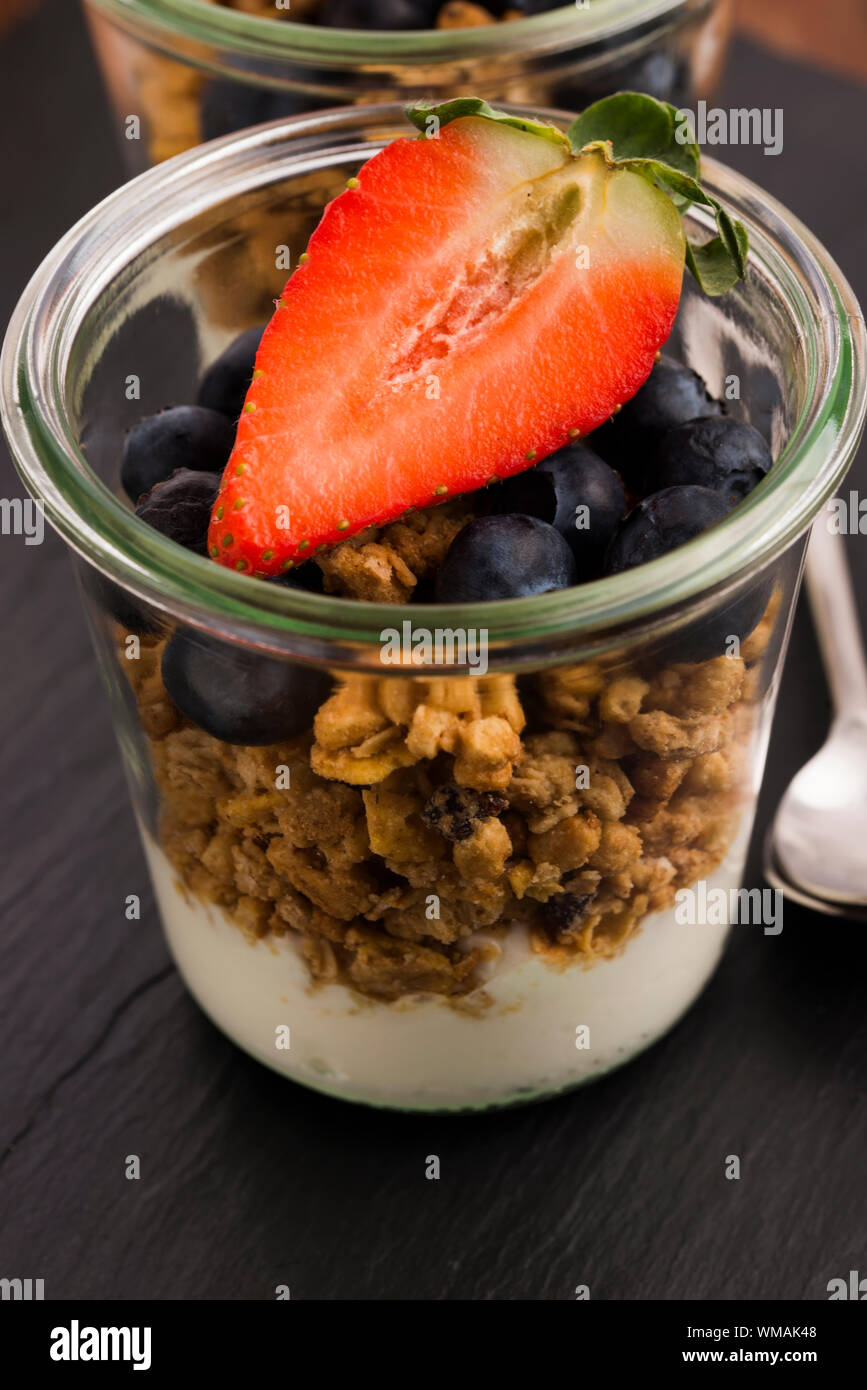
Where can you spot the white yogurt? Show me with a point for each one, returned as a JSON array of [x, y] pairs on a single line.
[[426, 1054]]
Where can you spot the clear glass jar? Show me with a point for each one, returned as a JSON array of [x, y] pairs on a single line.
[[193, 71], [424, 893]]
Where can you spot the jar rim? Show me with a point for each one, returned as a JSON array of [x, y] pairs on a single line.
[[258, 36], [75, 275]]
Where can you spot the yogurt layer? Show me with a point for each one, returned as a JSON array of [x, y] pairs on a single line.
[[545, 1028]]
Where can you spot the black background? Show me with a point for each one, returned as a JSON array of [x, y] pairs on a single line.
[[248, 1181]]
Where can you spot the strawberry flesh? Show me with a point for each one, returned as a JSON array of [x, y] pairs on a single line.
[[469, 305]]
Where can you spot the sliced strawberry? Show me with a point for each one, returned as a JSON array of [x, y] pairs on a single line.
[[470, 304]]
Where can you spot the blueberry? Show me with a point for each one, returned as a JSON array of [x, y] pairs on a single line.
[[378, 14], [225, 383], [661, 523], [229, 105], [671, 395], [658, 73], [181, 507], [531, 7], [239, 696], [726, 455], [556, 488], [711, 636], [184, 436], [504, 557], [121, 607]]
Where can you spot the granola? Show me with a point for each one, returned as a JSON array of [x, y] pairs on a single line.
[[420, 810]]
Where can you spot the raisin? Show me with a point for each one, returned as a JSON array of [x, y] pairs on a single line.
[[454, 811], [565, 912]]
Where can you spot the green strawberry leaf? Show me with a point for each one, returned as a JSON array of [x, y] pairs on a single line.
[[430, 119], [713, 264], [637, 127]]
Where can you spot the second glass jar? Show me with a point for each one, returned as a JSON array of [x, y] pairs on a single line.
[[193, 70]]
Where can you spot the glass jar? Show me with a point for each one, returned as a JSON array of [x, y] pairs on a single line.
[[192, 70], [468, 882]]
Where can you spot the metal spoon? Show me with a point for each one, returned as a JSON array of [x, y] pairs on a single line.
[[816, 850]]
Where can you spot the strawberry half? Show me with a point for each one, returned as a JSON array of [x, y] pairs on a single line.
[[471, 303]]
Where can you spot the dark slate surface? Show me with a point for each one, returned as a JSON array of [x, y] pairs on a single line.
[[247, 1181]]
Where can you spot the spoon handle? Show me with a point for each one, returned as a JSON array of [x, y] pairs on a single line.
[[836, 618]]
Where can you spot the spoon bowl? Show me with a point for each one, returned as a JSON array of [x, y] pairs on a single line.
[[819, 837], [816, 852]]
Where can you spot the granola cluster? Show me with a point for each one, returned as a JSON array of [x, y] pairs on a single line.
[[422, 817], [390, 564]]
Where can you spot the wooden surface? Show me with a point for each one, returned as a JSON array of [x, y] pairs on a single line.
[[249, 1182]]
